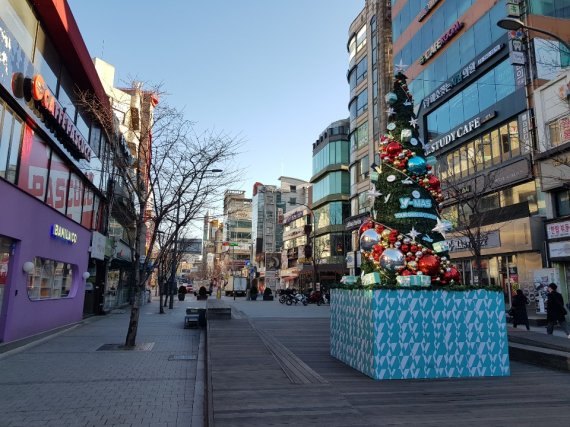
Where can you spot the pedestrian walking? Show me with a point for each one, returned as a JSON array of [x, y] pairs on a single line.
[[520, 316], [555, 311]]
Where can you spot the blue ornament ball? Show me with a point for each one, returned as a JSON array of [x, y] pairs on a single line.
[[391, 98], [417, 165]]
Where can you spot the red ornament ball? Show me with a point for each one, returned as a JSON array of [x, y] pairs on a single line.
[[406, 273], [452, 274], [393, 148], [428, 264], [434, 182]]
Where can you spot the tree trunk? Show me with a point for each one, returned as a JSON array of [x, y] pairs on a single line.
[[134, 319]]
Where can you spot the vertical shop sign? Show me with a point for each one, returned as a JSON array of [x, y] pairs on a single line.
[[516, 48], [524, 129], [520, 76]]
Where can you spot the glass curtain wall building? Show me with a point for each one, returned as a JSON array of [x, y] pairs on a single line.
[[330, 201], [471, 95]]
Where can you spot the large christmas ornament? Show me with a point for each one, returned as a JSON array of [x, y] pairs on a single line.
[[391, 98], [428, 264], [393, 148], [417, 165], [452, 274], [368, 239], [392, 259]]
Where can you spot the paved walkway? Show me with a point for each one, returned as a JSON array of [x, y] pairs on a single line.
[[65, 380], [269, 370]]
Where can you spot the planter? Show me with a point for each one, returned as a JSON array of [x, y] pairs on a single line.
[[253, 297], [267, 297], [409, 334], [181, 297], [201, 297]]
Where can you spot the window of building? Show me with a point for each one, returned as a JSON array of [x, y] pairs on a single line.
[[361, 39], [359, 138], [361, 70], [352, 49], [20, 20], [75, 198], [562, 201], [58, 182], [50, 279], [10, 137], [46, 60], [292, 200], [363, 169], [292, 188], [34, 165]]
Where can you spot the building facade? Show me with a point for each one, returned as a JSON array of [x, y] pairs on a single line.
[[472, 84], [369, 75], [236, 232], [52, 172], [330, 201], [267, 232]]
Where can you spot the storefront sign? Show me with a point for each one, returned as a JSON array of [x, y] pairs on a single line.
[[520, 76], [52, 112], [427, 9], [556, 230], [488, 240], [62, 233], [524, 130], [442, 41], [559, 250], [516, 48], [290, 217], [460, 76], [459, 132], [356, 221], [98, 244]]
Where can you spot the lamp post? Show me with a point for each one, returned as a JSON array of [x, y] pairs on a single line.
[[514, 24]]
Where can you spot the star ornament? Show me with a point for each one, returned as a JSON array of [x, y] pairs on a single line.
[[413, 234], [400, 67], [442, 227], [390, 111], [413, 122]]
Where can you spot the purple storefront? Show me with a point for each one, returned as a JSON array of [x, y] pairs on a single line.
[[51, 294], [51, 173]]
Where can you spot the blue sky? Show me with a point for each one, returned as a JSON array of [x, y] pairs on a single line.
[[272, 73]]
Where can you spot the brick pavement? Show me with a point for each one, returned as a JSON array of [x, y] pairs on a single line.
[[64, 381]]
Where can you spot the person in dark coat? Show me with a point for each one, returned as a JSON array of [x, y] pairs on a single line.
[[555, 311], [519, 304]]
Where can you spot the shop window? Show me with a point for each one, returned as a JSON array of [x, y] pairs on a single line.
[[91, 207], [34, 165], [75, 198], [10, 136], [489, 202], [66, 95], [495, 147], [49, 279], [58, 183]]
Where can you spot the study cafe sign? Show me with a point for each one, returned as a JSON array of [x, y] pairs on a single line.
[[34, 90]]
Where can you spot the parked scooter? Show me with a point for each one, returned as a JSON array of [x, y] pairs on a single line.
[[295, 298]]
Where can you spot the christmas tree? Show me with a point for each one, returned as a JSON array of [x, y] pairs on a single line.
[[404, 241]]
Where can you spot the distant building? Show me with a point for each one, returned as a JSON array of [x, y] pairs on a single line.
[[236, 232], [330, 201]]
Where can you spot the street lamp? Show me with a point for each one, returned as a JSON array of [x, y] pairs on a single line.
[[514, 24]]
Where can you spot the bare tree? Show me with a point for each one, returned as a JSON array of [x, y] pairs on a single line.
[[168, 178], [470, 208]]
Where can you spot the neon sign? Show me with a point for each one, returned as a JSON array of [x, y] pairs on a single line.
[[50, 109], [62, 233], [442, 41]]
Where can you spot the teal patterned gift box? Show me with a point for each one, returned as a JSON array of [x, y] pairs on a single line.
[[401, 333]]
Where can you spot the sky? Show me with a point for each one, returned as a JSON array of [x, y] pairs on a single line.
[[271, 73]]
